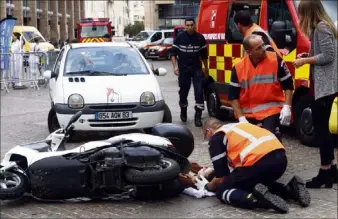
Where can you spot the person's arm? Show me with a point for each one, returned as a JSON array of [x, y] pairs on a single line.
[[174, 51], [285, 80], [203, 53], [217, 151], [326, 45], [234, 93]]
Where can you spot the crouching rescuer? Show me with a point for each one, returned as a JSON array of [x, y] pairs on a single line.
[[191, 50], [247, 161]]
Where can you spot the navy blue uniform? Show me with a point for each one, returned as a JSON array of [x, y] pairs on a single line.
[[189, 50]]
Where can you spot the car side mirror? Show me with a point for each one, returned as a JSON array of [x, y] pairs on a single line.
[[278, 33], [49, 74], [160, 71]]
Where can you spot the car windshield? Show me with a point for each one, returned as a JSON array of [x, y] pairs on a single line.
[[142, 36], [168, 41], [329, 6], [104, 61], [94, 31], [31, 35]]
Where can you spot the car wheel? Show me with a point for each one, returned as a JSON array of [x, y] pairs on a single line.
[[303, 121], [53, 123], [214, 106], [167, 117]]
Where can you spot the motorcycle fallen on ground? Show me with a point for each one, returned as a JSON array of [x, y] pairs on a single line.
[[139, 165]]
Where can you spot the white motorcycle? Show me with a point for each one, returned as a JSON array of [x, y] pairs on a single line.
[[124, 164]]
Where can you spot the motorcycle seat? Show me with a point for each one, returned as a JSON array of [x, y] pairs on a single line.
[[141, 154], [38, 146]]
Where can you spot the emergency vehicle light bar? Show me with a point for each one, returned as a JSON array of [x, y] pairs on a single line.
[[88, 20]]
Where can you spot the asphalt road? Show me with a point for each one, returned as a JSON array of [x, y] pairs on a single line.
[[24, 119]]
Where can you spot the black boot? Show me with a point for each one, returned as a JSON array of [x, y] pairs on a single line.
[[334, 173], [324, 177], [184, 114], [198, 117], [297, 191], [268, 200]]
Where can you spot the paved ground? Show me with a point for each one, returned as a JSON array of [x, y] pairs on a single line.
[[23, 119]]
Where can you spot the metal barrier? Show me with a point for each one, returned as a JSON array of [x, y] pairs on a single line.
[[27, 67]]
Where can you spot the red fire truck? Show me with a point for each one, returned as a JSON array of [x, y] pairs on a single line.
[[95, 30]]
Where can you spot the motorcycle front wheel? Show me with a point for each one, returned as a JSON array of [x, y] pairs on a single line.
[[167, 169], [12, 185]]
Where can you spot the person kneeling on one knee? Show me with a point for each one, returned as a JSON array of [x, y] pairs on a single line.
[[247, 160]]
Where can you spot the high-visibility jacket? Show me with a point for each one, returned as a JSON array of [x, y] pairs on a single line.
[[248, 143], [261, 94], [256, 28]]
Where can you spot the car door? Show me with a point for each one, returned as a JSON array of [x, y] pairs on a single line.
[[53, 82]]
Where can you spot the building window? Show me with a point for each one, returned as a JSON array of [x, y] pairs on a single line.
[[25, 3], [38, 5], [48, 5]]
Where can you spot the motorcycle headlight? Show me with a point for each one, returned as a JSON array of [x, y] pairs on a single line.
[[75, 101], [147, 99]]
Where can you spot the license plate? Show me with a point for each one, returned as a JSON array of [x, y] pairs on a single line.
[[152, 53], [113, 115]]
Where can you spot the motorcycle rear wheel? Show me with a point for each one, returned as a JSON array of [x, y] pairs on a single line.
[[153, 176], [13, 185]]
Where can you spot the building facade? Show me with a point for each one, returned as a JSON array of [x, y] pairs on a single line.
[[117, 11], [55, 19], [166, 14], [136, 11]]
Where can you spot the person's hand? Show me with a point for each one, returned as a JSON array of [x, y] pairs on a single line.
[[176, 71], [299, 62], [242, 119], [285, 115], [202, 171], [303, 55], [200, 182]]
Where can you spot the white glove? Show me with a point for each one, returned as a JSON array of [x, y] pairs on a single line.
[[201, 182], [242, 119], [285, 115]]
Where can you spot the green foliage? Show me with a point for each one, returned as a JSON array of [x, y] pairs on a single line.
[[134, 29]]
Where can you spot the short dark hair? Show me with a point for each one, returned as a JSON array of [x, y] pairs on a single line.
[[18, 35], [243, 17], [189, 19], [246, 41]]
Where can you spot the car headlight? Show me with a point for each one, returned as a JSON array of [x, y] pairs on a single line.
[[75, 101], [147, 99]]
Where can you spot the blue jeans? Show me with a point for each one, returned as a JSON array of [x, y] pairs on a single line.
[[184, 82]]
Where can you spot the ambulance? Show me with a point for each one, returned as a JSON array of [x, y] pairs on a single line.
[[216, 23]]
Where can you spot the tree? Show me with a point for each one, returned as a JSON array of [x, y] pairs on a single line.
[[134, 29]]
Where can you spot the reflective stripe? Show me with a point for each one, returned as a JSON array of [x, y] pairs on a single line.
[[225, 139], [228, 195], [262, 107], [285, 77], [203, 47], [259, 79], [217, 157], [199, 106], [184, 48], [234, 84], [255, 144]]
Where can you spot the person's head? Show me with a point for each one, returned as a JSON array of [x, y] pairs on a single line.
[[243, 20], [16, 36], [310, 14], [190, 25], [36, 40], [210, 126], [254, 47]]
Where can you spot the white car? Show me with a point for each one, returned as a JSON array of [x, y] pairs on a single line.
[[111, 83]]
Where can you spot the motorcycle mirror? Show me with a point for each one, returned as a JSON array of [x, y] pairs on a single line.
[[74, 118]]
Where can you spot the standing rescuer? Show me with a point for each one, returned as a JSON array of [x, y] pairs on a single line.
[[257, 84], [191, 50]]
